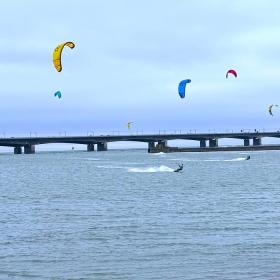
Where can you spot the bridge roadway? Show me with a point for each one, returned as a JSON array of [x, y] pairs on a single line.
[[156, 142]]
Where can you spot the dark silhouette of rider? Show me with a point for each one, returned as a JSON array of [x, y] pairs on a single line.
[[179, 168]]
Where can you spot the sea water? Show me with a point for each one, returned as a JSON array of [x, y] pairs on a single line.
[[127, 215]]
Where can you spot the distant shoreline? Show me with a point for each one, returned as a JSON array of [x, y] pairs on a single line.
[[216, 149]]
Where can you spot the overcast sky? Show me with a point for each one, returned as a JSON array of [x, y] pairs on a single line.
[[128, 61]]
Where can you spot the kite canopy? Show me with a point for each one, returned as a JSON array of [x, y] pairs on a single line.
[[129, 125], [233, 72], [270, 108], [182, 87], [58, 94], [57, 54]]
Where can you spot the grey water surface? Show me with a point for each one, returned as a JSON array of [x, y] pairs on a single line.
[[127, 215]]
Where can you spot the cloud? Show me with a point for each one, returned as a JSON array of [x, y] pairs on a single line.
[[128, 61]]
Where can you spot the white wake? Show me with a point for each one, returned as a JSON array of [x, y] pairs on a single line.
[[161, 168], [209, 160]]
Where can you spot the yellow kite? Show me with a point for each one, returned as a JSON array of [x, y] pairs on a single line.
[[129, 125], [57, 54]]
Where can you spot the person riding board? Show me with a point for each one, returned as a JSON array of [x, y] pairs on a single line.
[[180, 168]]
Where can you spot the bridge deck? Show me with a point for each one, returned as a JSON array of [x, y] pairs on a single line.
[[21, 141], [161, 139]]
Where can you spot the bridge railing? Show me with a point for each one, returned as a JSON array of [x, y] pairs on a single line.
[[135, 132]]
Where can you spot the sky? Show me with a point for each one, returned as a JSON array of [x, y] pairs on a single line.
[[128, 61]]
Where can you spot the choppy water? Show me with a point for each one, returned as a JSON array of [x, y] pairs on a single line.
[[126, 215]]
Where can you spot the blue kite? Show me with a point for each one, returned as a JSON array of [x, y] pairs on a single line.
[[58, 94], [182, 87]]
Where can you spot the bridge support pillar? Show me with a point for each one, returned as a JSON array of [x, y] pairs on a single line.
[[102, 146], [202, 143], [151, 146], [29, 149], [90, 147], [17, 150], [257, 141], [213, 143], [246, 142], [162, 144]]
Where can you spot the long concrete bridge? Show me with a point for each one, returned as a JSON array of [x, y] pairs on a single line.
[[156, 142]]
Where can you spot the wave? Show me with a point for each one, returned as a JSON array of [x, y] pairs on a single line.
[[236, 159], [90, 159], [134, 163], [110, 166], [210, 160], [161, 168]]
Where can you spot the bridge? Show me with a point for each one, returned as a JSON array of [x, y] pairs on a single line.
[[155, 142]]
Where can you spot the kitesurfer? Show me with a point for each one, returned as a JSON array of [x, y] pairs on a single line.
[[248, 157], [180, 168]]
